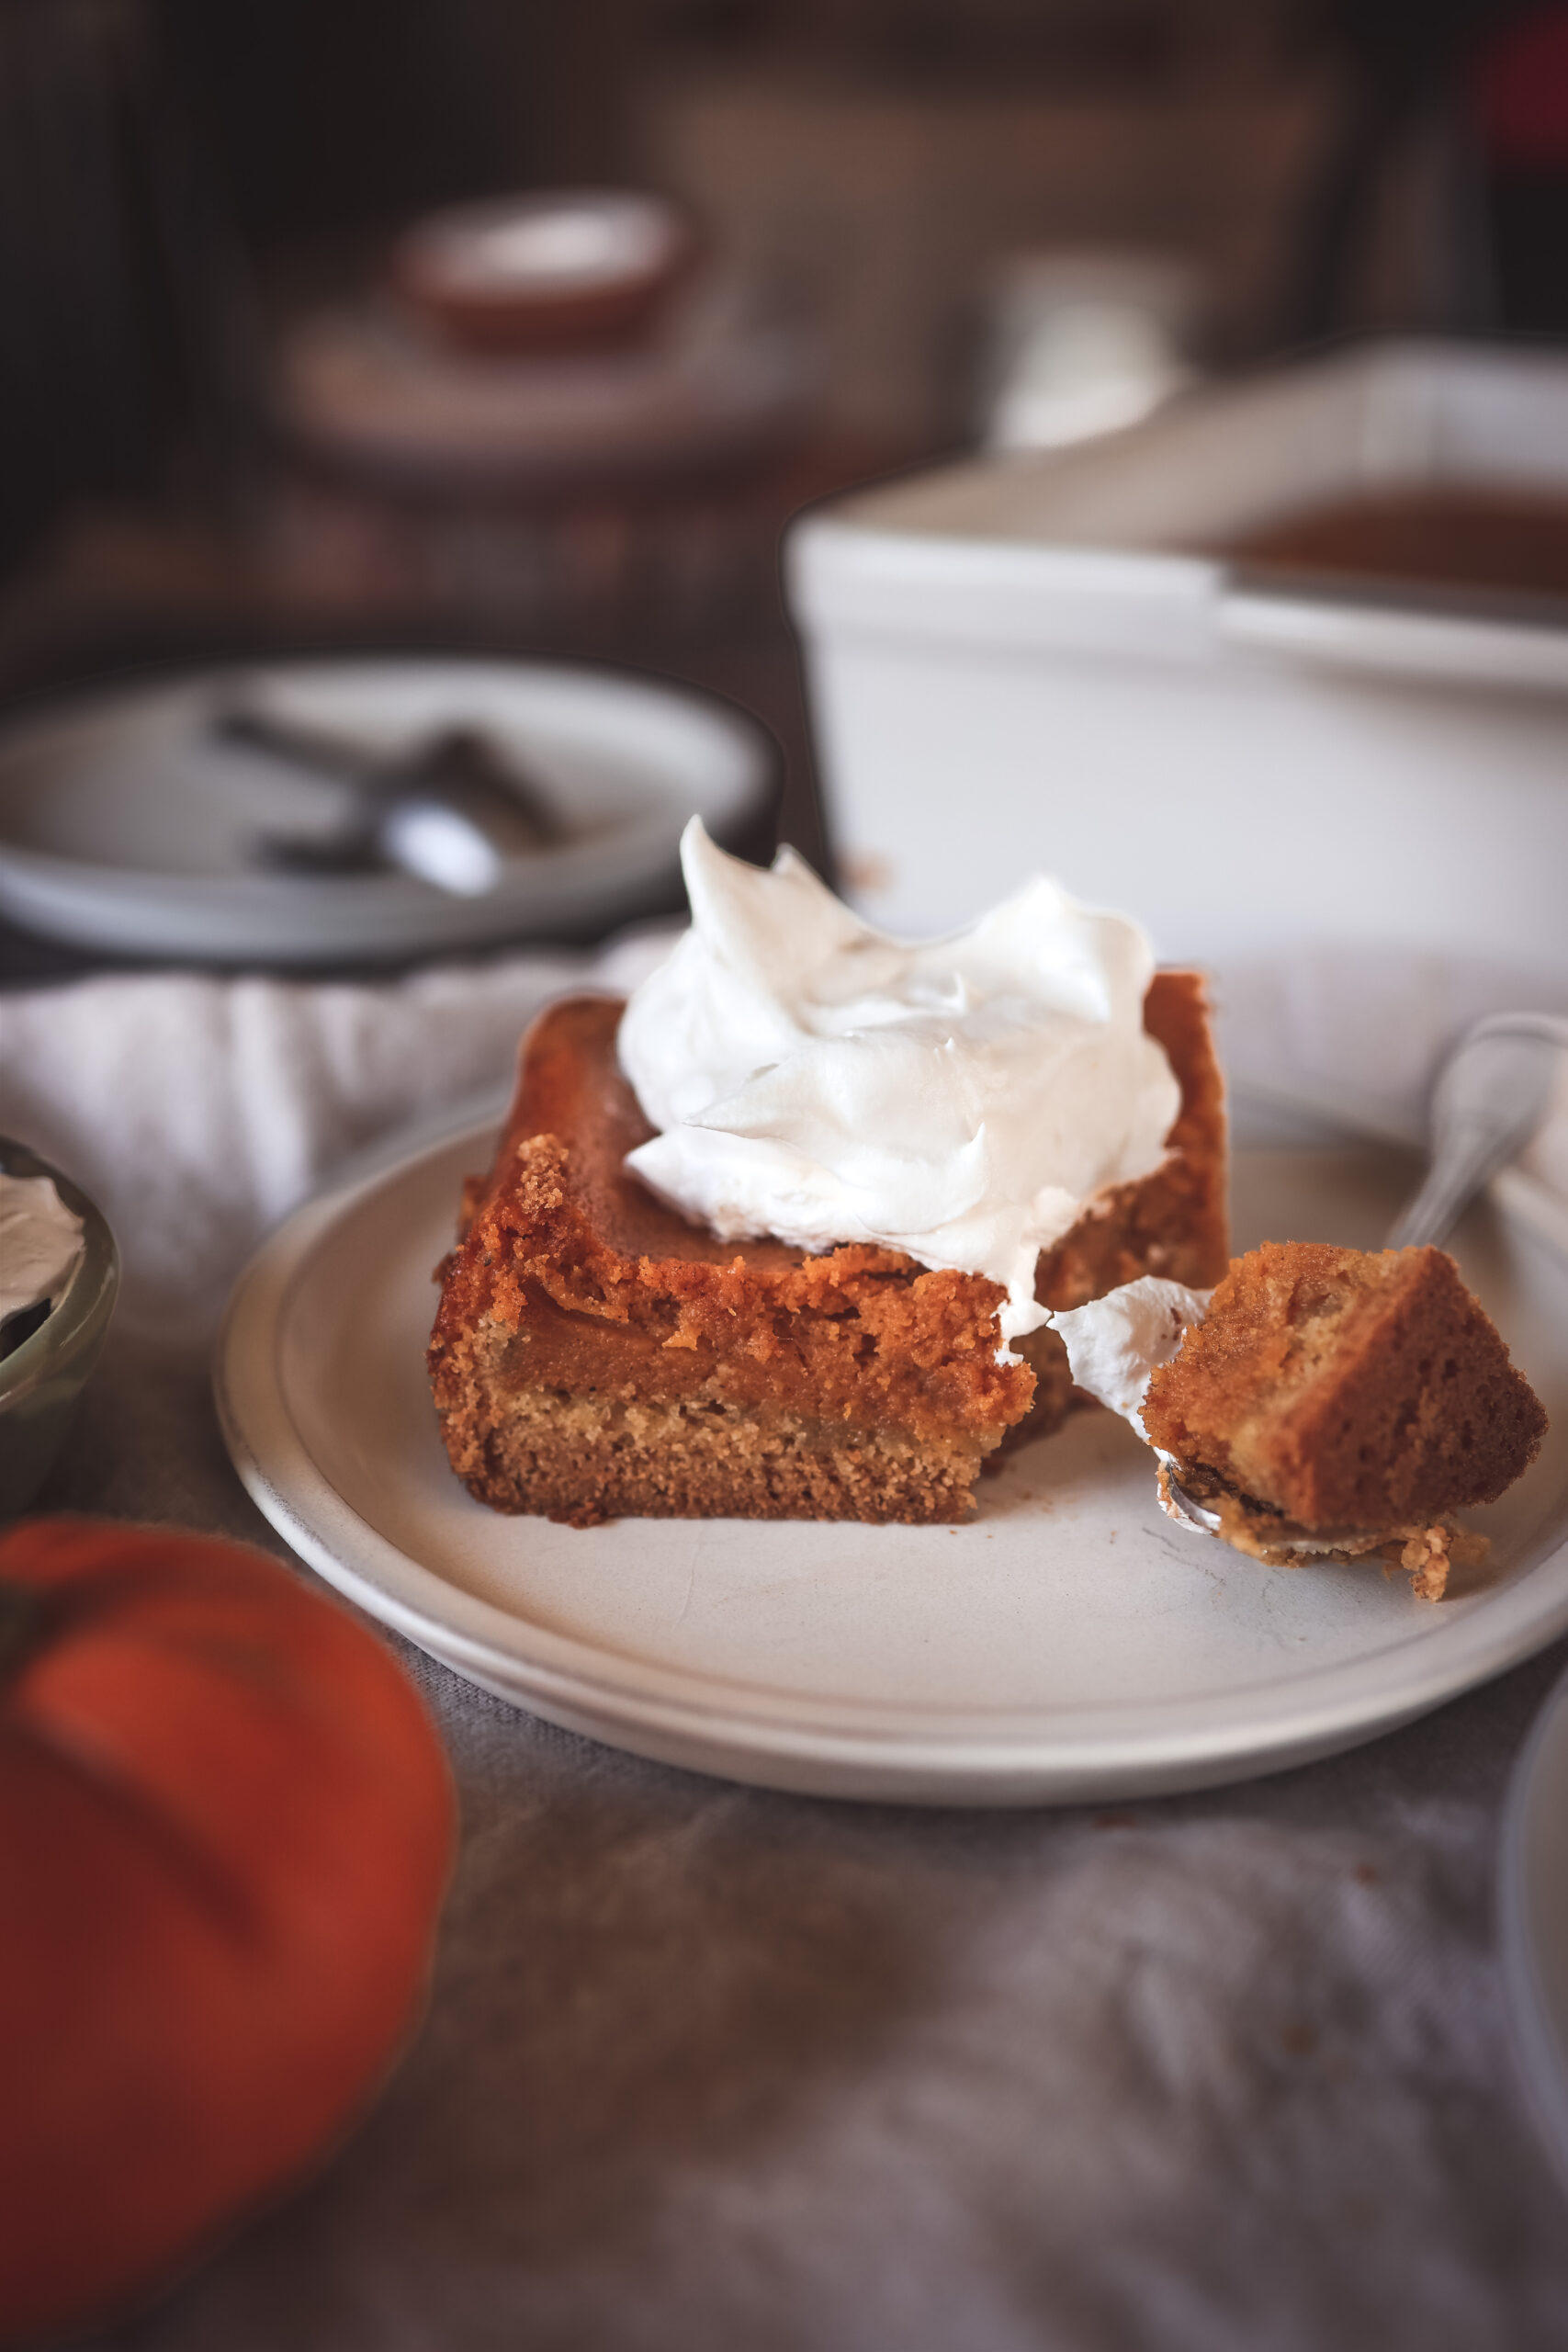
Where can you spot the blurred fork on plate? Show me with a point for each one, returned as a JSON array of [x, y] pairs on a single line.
[[1490, 1097], [454, 810]]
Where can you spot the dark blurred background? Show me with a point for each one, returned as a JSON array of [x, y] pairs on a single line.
[[187, 184]]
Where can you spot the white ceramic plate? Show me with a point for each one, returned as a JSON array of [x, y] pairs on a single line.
[[1069, 1644], [1532, 1907], [127, 825]]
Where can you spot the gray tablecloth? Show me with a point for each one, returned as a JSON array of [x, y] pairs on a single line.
[[711, 2068]]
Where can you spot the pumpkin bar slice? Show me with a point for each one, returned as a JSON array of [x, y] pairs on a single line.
[[1336, 1400], [595, 1356]]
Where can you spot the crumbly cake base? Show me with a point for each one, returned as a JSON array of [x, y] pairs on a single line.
[[580, 1461], [1422, 1550]]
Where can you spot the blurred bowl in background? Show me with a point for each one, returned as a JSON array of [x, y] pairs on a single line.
[[561, 269], [42, 1381]]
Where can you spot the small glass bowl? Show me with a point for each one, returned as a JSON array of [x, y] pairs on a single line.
[[41, 1380]]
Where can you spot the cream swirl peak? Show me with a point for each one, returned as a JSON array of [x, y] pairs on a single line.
[[960, 1100]]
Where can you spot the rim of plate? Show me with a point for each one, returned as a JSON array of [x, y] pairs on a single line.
[[573, 1679], [1538, 2025]]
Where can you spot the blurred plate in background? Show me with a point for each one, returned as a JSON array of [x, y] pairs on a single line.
[[130, 825], [362, 386]]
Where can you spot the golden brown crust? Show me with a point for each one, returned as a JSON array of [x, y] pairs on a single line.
[[1333, 1388], [595, 1354]]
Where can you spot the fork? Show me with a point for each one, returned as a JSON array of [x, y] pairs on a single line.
[[1490, 1098]]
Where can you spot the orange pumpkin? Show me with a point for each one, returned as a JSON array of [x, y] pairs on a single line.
[[225, 1829]]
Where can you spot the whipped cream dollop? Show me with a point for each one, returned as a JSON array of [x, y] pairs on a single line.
[[960, 1099], [41, 1243]]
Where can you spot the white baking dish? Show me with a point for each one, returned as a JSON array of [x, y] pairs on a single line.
[[1012, 665]]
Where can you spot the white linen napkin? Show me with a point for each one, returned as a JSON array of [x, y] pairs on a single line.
[[199, 1110]]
